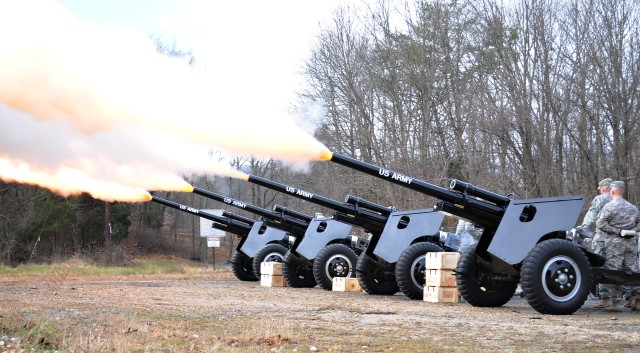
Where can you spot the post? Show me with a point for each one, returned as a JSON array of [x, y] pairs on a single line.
[[107, 230], [214, 257]]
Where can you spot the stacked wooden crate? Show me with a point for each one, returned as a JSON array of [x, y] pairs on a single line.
[[440, 280], [346, 284], [271, 275]]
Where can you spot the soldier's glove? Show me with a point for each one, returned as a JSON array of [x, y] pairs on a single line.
[[627, 233]]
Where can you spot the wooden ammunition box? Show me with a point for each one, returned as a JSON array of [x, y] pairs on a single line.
[[441, 260], [346, 284], [271, 268], [434, 294], [272, 281], [440, 278]]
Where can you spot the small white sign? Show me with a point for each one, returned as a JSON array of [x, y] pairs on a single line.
[[205, 225], [213, 242]]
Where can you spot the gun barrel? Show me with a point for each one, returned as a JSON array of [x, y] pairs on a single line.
[[454, 197], [473, 190], [234, 202], [224, 221], [317, 199], [290, 212], [350, 199], [237, 217], [299, 193]]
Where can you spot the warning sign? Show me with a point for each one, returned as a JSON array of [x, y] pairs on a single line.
[[213, 242]]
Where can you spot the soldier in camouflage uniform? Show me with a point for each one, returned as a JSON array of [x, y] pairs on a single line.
[[589, 223], [615, 217], [466, 226]]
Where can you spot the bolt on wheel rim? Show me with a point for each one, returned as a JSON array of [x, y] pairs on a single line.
[[561, 278], [338, 266]]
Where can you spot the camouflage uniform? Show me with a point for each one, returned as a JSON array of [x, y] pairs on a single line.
[[465, 226], [621, 252], [598, 241]]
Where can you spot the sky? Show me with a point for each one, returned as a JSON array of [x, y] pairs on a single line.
[[250, 46]]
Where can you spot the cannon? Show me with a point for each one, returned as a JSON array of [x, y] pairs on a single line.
[[523, 240], [395, 256], [256, 239], [283, 219], [317, 253]]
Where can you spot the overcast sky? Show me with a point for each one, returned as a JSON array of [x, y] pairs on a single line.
[[254, 43]]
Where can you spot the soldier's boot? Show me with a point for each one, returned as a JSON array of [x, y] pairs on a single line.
[[630, 303], [604, 304], [636, 306], [615, 306]]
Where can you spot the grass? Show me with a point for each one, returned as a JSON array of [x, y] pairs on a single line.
[[81, 268]]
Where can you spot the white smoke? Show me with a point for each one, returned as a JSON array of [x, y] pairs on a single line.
[[99, 100]]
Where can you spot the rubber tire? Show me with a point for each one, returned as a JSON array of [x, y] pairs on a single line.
[[270, 252], [242, 267], [410, 283], [323, 275], [478, 294], [544, 261], [297, 272], [376, 277]]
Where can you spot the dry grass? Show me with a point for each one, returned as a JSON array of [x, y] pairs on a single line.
[[170, 305]]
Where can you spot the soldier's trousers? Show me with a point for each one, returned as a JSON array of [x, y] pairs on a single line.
[[602, 290], [621, 253]]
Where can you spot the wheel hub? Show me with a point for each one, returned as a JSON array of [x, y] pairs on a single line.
[[560, 278], [273, 257], [338, 266]]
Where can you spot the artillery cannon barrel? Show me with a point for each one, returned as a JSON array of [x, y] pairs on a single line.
[[290, 212], [283, 222], [317, 199], [235, 203], [224, 221], [456, 198], [473, 190], [350, 199], [237, 217]]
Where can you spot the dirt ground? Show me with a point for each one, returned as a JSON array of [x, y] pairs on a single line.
[[219, 313]]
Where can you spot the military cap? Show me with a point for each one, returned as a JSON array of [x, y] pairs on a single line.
[[605, 182], [617, 184]]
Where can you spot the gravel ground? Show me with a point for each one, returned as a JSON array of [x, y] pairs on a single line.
[[255, 318]]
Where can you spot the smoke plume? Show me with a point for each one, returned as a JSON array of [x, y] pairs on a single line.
[[95, 108]]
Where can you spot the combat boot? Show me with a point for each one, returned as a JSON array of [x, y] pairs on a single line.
[[636, 306], [604, 304], [616, 305], [630, 303]]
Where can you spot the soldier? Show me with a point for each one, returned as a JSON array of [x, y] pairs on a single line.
[[589, 223], [465, 226], [616, 219]]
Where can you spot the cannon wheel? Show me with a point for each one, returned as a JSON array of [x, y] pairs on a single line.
[[376, 277], [334, 260], [297, 272], [410, 270], [556, 277], [268, 253], [242, 267], [478, 291]]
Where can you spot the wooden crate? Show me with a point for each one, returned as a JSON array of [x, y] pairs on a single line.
[[271, 268], [440, 278], [435, 294], [441, 260], [272, 281], [346, 284]]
